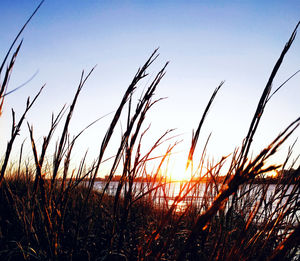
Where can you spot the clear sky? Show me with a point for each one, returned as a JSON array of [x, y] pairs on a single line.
[[205, 41]]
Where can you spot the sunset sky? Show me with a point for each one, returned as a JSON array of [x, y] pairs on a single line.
[[206, 42]]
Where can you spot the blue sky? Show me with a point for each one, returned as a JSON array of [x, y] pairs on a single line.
[[205, 41]]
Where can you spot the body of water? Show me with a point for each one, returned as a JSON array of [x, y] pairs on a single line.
[[201, 195]]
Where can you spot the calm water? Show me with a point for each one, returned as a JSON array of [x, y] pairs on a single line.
[[200, 193]]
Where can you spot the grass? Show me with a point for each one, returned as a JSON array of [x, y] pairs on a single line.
[[49, 212]]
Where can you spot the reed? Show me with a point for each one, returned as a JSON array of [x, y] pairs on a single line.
[[49, 212]]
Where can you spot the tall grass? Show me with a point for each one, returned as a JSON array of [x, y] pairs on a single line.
[[54, 213]]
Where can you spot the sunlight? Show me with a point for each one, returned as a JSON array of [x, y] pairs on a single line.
[[273, 174], [179, 174]]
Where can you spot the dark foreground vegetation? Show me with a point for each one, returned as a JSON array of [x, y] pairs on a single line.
[[54, 213]]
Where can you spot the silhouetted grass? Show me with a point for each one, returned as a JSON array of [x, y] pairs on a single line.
[[53, 213]]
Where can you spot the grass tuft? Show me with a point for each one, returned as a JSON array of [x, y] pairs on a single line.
[[50, 212]]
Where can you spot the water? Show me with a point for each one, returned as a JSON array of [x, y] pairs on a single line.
[[201, 195]]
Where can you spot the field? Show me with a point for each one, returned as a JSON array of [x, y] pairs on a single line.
[[53, 212]]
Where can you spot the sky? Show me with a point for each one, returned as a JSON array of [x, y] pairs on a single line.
[[206, 42]]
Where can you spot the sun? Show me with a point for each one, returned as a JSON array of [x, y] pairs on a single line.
[[273, 174], [179, 173]]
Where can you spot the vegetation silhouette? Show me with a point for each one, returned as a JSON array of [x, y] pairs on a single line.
[[55, 213]]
